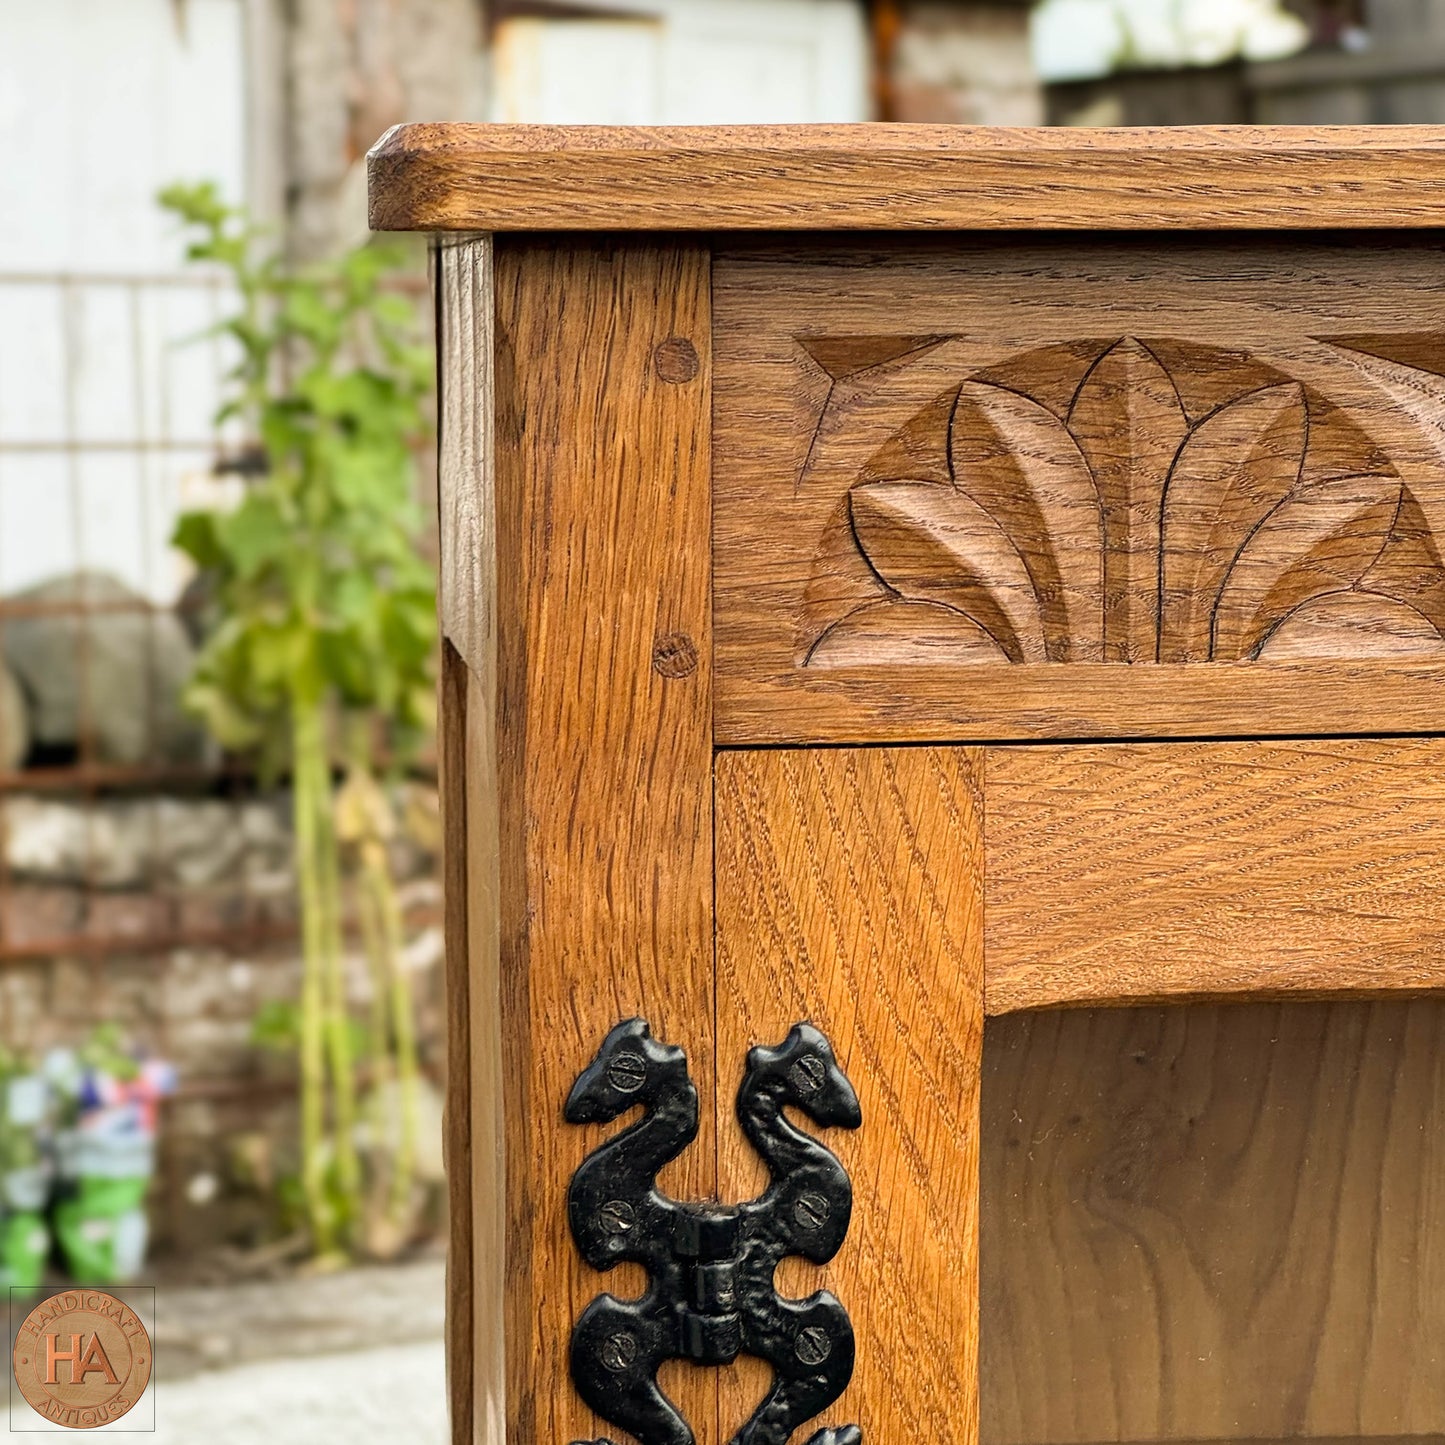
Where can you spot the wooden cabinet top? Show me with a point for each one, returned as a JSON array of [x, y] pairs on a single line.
[[440, 177]]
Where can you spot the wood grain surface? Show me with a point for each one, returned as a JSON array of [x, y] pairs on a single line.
[[1116, 487], [849, 894], [1214, 1223], [1131, 872], [589, 865], [904, 177], [475, 1129]]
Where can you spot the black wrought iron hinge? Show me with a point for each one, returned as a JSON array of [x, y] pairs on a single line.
[[710, 1294]]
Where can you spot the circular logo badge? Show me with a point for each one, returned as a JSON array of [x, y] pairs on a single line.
[[82, 1358]]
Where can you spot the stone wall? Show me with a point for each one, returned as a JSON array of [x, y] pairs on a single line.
[[962, 63], [350, 72]]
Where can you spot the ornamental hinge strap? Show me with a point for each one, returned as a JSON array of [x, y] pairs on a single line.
[[710, 1296]]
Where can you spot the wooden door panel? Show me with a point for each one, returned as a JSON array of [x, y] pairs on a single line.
[[1060, 488], [849, 894], [1214, 1223], [1130, 872], [1200, 1223]]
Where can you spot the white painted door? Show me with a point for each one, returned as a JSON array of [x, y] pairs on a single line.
[[686, 62]]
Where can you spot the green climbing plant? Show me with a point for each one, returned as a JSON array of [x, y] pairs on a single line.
[[319, 640]]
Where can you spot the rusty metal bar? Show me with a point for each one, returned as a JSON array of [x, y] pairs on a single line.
[[90, 777], [68, 607], [82, 945], [181, 280]]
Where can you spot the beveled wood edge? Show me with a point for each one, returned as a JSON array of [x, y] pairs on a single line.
[[1007, 1002], [474, 1134], [470, 177]]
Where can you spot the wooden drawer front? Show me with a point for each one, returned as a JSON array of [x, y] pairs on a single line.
[[1073, 488]]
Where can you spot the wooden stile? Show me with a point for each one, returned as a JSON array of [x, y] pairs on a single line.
[[598, 739], [849, 894]]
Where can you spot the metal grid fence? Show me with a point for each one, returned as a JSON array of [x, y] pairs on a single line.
[[108, 384]]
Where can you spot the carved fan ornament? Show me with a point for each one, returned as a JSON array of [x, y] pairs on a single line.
[[1127, 501]]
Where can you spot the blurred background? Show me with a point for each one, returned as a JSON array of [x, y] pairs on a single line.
[[221, 1003]]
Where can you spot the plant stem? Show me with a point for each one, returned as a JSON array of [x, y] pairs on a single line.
[[378, 1050], [378, 901], [311, 1045], [338, 1020], [403, 1022]]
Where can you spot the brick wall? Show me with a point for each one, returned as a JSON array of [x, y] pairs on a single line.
[[81, 870]]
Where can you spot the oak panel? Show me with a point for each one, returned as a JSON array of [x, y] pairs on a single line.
[[602, 746], [1122, 487], [903, 177], [1134, 872], [849, 894], [1214, 1223], [475, 1353]]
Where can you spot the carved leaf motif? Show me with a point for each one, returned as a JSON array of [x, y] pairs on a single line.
[[1237, 466], [864, 412], [918, 450], [1129, 424], [1321, 540], [1352, 624], [1017, 461], [930, 543], [1283, 524], [898, 633], [1409, 569]]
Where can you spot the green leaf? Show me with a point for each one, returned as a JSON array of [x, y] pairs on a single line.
[[280, 653], [198, 204], [234, 729], [255, 534], [307, 312], [277, 1025], [354, 599], [367, 480], [394, 310], [195, 535]]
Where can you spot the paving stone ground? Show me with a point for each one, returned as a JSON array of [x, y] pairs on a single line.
[[360, 1397], [223, 1326], [353, 1357]]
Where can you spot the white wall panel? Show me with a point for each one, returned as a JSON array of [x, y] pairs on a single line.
[[102, 103]]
